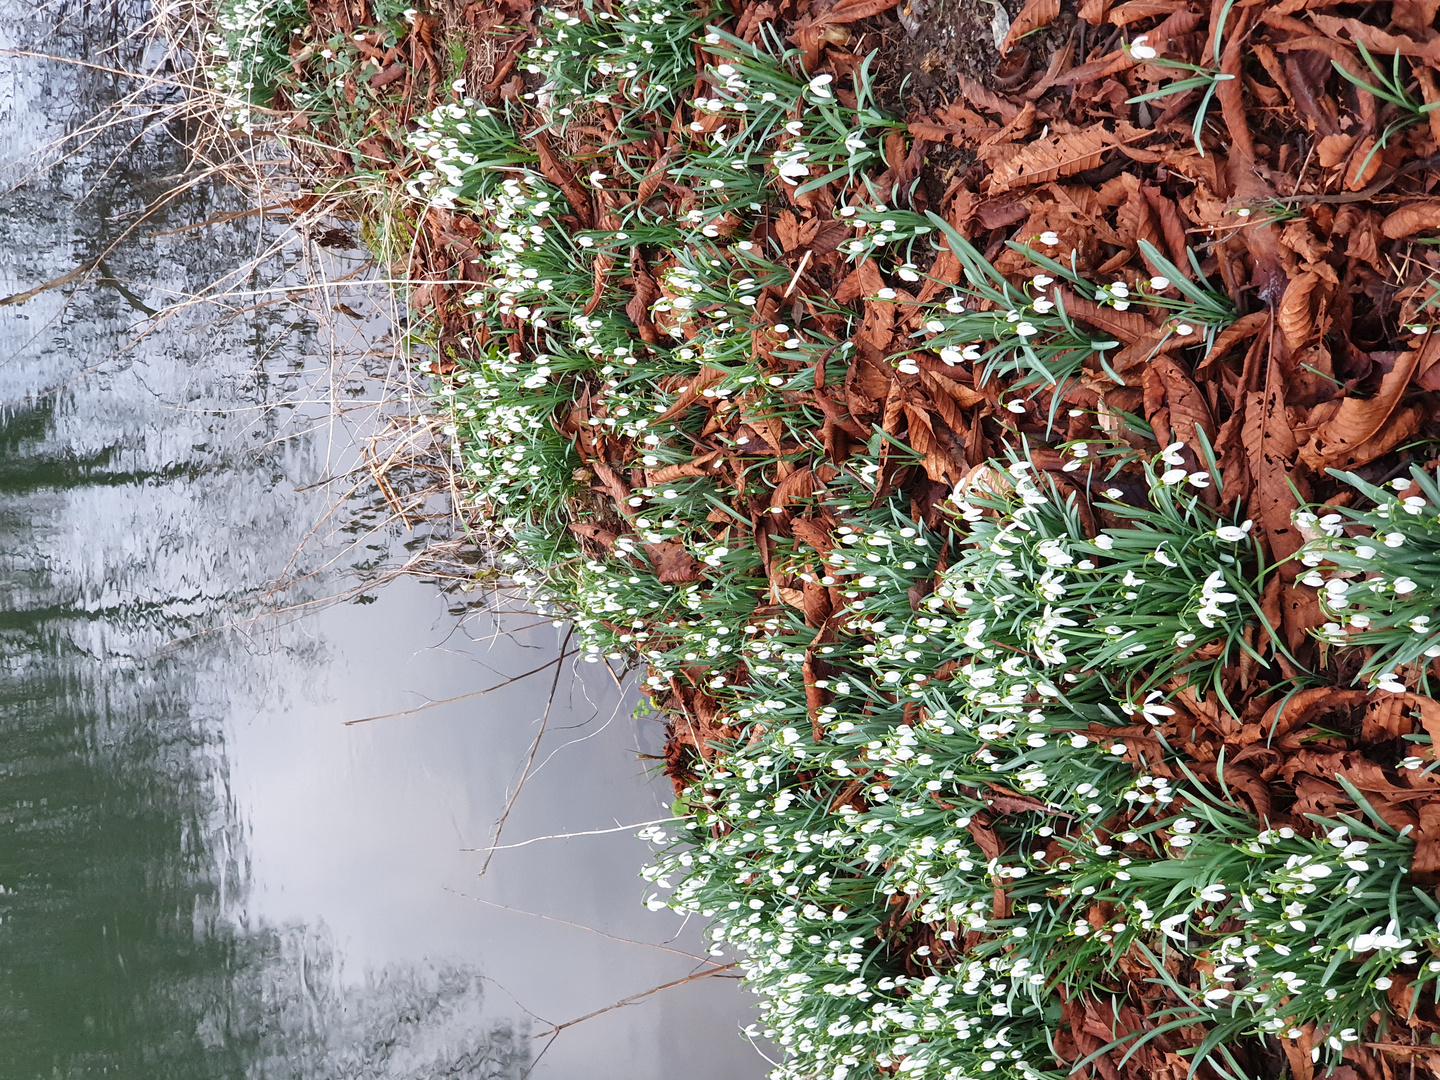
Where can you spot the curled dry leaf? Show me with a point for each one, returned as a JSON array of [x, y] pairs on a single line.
[[1412, 218], [1033, 16], [1353, 435], [1295, 316]]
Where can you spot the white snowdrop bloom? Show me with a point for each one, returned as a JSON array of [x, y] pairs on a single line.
[[1184, 329], [1392, 539], [1050, 238], [955, 305], [908, 366], [1159, 283], [1016, 407], [820, 86], [1234, 533], [1025, 329], [1171, 454], [951, 356], [1170, 477], [1389, 682], [1403, 585], [886, 294], [1140, 50]]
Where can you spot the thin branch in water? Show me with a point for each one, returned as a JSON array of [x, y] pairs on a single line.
[[530, 760], [570, 835], [582, 926], [474, 693]]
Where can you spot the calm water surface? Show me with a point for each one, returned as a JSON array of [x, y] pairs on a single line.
[[205, 872]]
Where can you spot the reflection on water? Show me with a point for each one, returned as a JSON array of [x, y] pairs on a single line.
[[204, 874]]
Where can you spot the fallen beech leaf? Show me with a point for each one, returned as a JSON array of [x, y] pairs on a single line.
[[1186, 405], [1295, 316], [1412, 218], [673, 564], [1127, 326], [848, 11], [1365, 163], [1043, 160], [1350, 435], [1034, 15], [693, 467], [1332, 149], [1270, 448]]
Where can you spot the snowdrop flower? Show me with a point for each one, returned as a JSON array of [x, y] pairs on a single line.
[[854, 143], [1042, 280], [1392, 540], [971, 352], [1016, 407], [1050, 238], [1389, 682], [955, 305], [907, 273], [1233, 534], [820, 86], [1403, 585], [886, 294], [1025, 329], [951, 356], [1184, 329], [1172, 476], [596, 176], [1151, 709], [1140, 50], [1159, 283], [1171, 454], [1198, 479], [908, 366]]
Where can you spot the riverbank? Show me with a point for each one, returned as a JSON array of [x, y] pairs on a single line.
[[1005, 440]]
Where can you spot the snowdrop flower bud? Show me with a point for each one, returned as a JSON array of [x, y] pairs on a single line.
[[1159, 283]]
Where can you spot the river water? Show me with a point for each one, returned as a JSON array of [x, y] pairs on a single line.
[[205, 871]]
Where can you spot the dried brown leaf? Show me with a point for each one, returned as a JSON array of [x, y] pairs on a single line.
[[1034, 15], [1049, 158], [1412, 218], [1354, 434]]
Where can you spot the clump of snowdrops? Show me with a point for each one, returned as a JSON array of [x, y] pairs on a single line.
[[848, 851], [1378, 575]]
